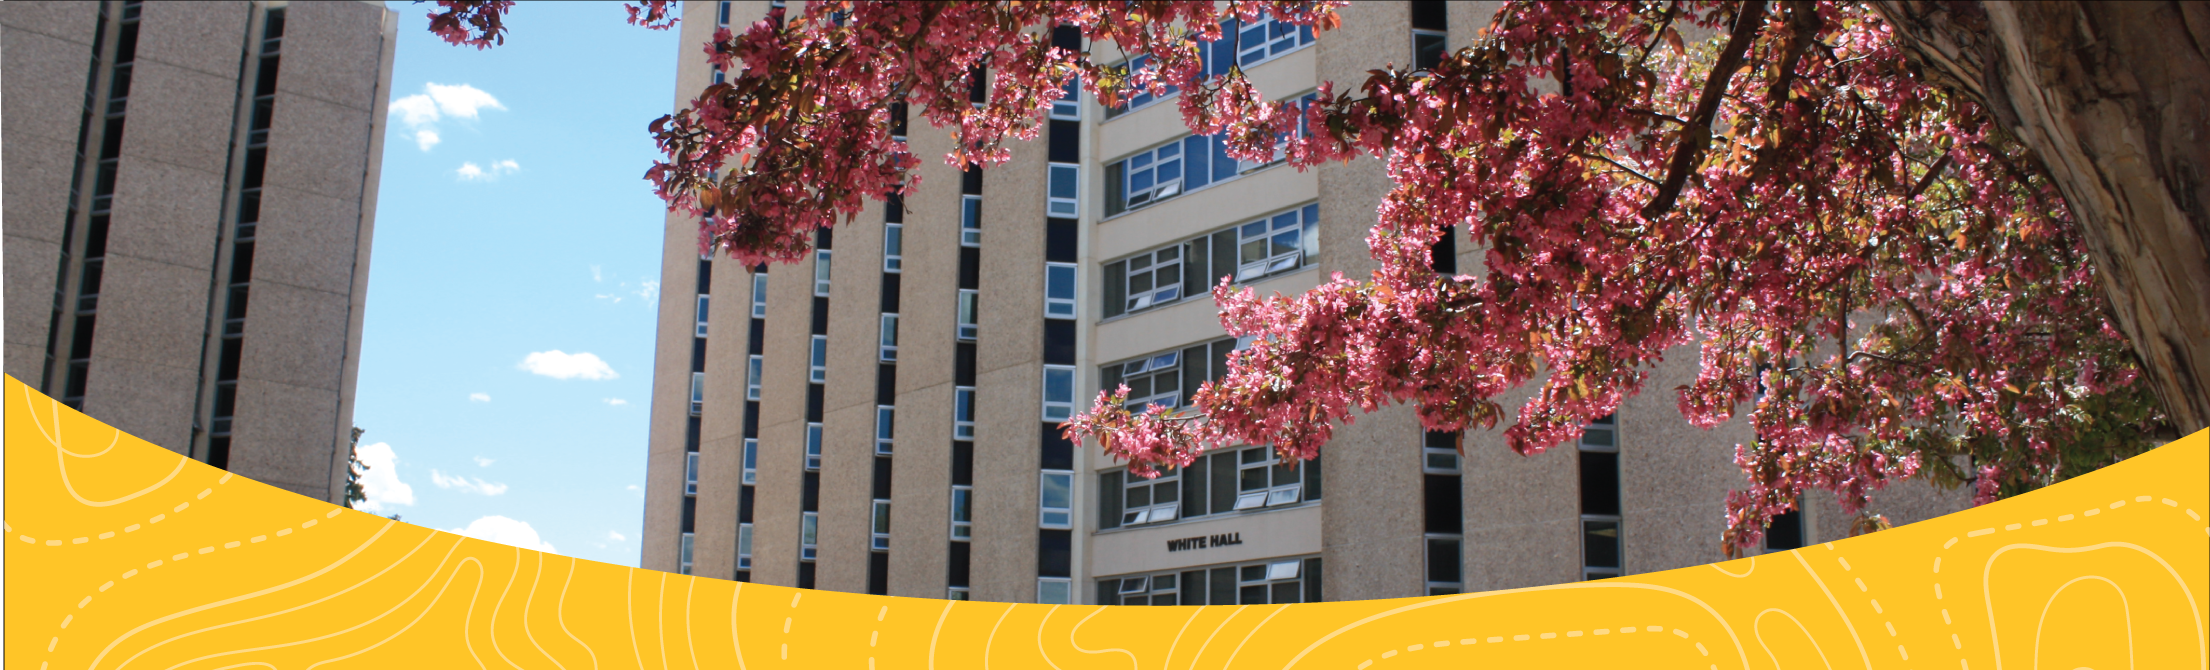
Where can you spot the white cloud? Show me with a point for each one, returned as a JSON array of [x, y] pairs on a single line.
[[482, 462], [415, 110], [505, 531], [461, 101], [422, 111], [466, 484], [595, 275], [651, 288], [381, 482], [558, 365], [469, 171], [479, 397], [615, 536], [617, 402]]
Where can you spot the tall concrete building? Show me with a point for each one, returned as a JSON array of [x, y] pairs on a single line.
[[190, 191], [936, 344]]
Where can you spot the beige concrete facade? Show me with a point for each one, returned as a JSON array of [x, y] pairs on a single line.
[[1521, 517], [155, 362]]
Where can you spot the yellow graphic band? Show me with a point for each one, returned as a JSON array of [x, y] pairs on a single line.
[[120, 558]]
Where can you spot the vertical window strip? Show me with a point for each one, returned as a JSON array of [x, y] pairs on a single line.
[[242, 238], [1602, 535], [80, 303]]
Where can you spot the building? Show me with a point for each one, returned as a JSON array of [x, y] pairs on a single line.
[[168, 164], [937, 347]]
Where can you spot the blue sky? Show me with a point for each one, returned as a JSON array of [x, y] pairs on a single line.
[[506, 363]]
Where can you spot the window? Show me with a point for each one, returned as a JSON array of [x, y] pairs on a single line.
[[1430, 20], [1443, 565], [744, 546], [751, 460], [690, 473], [1056, 500], [889, 338], [725, 12], [1262, 480], [821, 273], [970, 314], [1069, 105], [880, 529], [1139, 97], [1058, 393], [1187, 164], [759, 295], [813, 446], [1167, 378], [809, 531], [893, 247], [1152, 175], [1427, 48], [701, 315], [970, 220], [1266, 38], [1153, 279], [1156, 500], [1785, 531], [698, 393], [1601, 537], [1439, 454], [1270, 583], [684, 565], [963, 512], [1274, 244], [1065, 190], [1153, 381], [885, 416], [963, 413], [1277, 581], [1058, 293], [956, 593], [818, 372], [752, 376], [719, 75], [1152, 590], [1054, 590]]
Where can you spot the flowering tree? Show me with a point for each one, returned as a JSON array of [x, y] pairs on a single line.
[[1884, 278]]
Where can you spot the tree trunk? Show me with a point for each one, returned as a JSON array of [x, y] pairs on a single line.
[[2114, 100]]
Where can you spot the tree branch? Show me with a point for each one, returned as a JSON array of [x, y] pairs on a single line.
[[1928, 180], [1697, 136], [1638, 175]]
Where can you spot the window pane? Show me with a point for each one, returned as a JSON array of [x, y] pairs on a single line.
[[1058, 282], [1053, 592], [1058, 385], [1058, 490], [1600, 541], [1063, 181]]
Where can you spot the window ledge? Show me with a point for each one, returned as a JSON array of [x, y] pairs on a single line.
[[1217, 516], [1215, 183], [1164, 306]]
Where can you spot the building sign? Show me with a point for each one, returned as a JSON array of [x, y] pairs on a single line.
[[1205, 542]]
